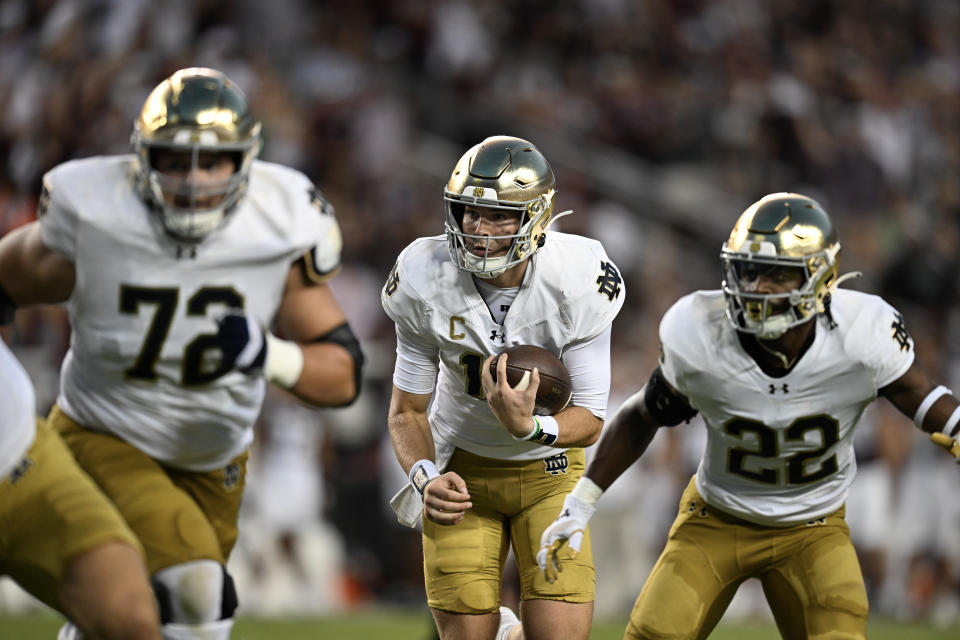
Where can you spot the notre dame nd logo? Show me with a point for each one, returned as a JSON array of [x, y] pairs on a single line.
[[609, 280], [555, 465], [393, 280], [900, 333]]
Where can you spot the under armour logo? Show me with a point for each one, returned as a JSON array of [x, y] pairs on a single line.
[[555, 465], [900, 333], [810, 523], [609, 281], [501, 336], [782, 387], [393, 281]]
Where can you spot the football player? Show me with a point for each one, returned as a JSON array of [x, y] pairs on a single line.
[[484, 471], [780, 364], [63, 541], [178, 262]]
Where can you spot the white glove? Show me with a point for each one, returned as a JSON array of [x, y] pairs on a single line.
[[569, 528], [950, 444]]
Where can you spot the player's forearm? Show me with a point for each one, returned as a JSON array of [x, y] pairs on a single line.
[[328, 378], [411, 437], [625, 438], [578, 428]]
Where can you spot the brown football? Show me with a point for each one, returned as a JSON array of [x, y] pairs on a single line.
[[554, 391]]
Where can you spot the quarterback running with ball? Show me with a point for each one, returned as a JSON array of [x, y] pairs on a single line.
[[484, 472]]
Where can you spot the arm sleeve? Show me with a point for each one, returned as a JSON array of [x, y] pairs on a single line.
[[417, 364], [589, 365]]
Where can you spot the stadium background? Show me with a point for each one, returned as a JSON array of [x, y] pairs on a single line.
[[663, 120]]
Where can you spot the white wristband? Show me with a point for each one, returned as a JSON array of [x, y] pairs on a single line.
[[422, 472], [587, 490], [932, 397], [951, 428], [284, 361], [546, 430]]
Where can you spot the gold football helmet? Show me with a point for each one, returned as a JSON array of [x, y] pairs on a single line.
[[506, 173], [196, 111], [781, 232]]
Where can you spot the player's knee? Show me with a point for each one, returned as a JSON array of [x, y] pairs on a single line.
[[194, 592]]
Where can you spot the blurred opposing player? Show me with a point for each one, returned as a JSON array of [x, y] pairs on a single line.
[[780, 364], [484, 471], [175, 262], [62, 540]]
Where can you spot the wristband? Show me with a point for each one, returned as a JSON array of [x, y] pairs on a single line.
[[422, 472], [932, 397], [587, 490], [950, 428], [284, 361], [546, 430]]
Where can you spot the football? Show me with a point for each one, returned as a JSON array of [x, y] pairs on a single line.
[[554, 391]]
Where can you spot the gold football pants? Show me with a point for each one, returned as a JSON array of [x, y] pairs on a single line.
[[50, 513], [810, 575], [179, 516], [513, 502]]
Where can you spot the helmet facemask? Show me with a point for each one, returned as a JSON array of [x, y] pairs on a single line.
[[200, 114], [770, 315], [535, 217], [507, 174]]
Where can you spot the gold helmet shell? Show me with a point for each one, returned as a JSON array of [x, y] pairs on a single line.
[[780, 230], [502, 172], [195, 110]]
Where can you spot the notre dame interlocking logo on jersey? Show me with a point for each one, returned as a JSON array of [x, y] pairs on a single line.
[[609, 280], [320, 201], [393, 281], [900, 333], [555, 465]]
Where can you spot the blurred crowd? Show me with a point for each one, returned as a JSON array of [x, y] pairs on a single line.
[[663, 120]]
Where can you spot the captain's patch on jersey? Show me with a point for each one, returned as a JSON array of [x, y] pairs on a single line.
[[609, 280]]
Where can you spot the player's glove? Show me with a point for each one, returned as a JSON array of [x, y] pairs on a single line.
[[948, 443], [569, 527], [242, 341]]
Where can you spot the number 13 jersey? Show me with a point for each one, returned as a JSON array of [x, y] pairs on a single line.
[[779, 450]]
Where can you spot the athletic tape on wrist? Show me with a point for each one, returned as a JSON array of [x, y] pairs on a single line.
[[422, 472], [952, 427], [546, 430], [932, 397], [284, 362], [587, 490]]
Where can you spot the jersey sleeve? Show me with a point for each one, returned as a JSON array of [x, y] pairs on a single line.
[[676, 336], [878, 337], [58, 220], [599, 302], [322, 260], [400, 302]]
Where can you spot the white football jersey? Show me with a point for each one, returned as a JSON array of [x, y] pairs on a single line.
[[779, 451], [143, 362], [571, 293], [18, 420]]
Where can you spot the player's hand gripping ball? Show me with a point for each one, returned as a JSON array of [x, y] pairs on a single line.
[[554, 392]]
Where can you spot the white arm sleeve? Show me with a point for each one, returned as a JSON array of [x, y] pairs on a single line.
[[417, 364], [589, 365]]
